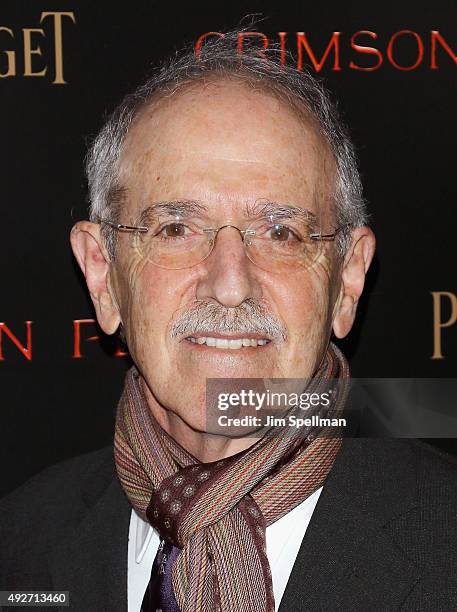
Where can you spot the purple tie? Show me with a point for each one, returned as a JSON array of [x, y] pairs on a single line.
[[159, 596]]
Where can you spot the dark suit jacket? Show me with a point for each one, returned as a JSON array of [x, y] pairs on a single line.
[[383, 535]]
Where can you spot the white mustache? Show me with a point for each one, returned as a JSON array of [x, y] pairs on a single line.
[[207, 317]]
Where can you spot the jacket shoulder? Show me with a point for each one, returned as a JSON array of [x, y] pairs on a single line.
[[437, 469], [432, 466], [43, 508]]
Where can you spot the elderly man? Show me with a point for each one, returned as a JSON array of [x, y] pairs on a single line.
[[228, 239]]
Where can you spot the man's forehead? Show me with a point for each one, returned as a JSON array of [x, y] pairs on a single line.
[[238, 124], [186, 149]]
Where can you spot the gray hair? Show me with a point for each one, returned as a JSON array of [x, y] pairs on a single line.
[[221, 59]]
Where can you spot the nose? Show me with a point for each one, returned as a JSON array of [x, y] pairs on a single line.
[[229, 278]]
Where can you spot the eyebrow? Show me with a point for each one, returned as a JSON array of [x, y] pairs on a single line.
[[282, 211], [182, 208], [188, 208]]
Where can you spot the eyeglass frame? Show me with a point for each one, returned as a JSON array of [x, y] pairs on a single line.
[[144, 229]]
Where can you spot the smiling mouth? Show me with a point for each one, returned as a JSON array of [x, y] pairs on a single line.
[[228, 343]]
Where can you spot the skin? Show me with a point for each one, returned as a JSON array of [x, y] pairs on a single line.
[[226, 146]]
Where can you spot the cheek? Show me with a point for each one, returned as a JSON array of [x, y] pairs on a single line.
[[146, 305], [308, 309]]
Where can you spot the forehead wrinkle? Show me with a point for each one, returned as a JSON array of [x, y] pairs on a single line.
[[240, 160]]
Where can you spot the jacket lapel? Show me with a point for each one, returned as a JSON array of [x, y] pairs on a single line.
[[348, 560], [91, 561]]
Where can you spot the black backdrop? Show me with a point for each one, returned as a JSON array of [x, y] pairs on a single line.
[[55, 405]]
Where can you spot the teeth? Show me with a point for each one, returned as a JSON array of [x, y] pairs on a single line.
[[225, 343], [235, 344]]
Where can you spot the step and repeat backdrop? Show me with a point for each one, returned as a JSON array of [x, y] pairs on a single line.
[[64, 65]]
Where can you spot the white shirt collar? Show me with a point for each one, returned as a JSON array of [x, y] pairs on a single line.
[[143, 536]]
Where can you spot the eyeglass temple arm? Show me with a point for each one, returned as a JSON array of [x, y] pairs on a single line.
[[125, 228], [319, 236]]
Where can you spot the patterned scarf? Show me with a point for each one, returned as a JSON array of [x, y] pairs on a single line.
[[218, 512]]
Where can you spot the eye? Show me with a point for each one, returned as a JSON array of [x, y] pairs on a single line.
[[173, 230], [281, 233]]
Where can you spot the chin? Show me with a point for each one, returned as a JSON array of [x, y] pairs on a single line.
[[228, 365]]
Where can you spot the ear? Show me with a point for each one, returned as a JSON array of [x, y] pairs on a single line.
[[354, 269], [93, 260]]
